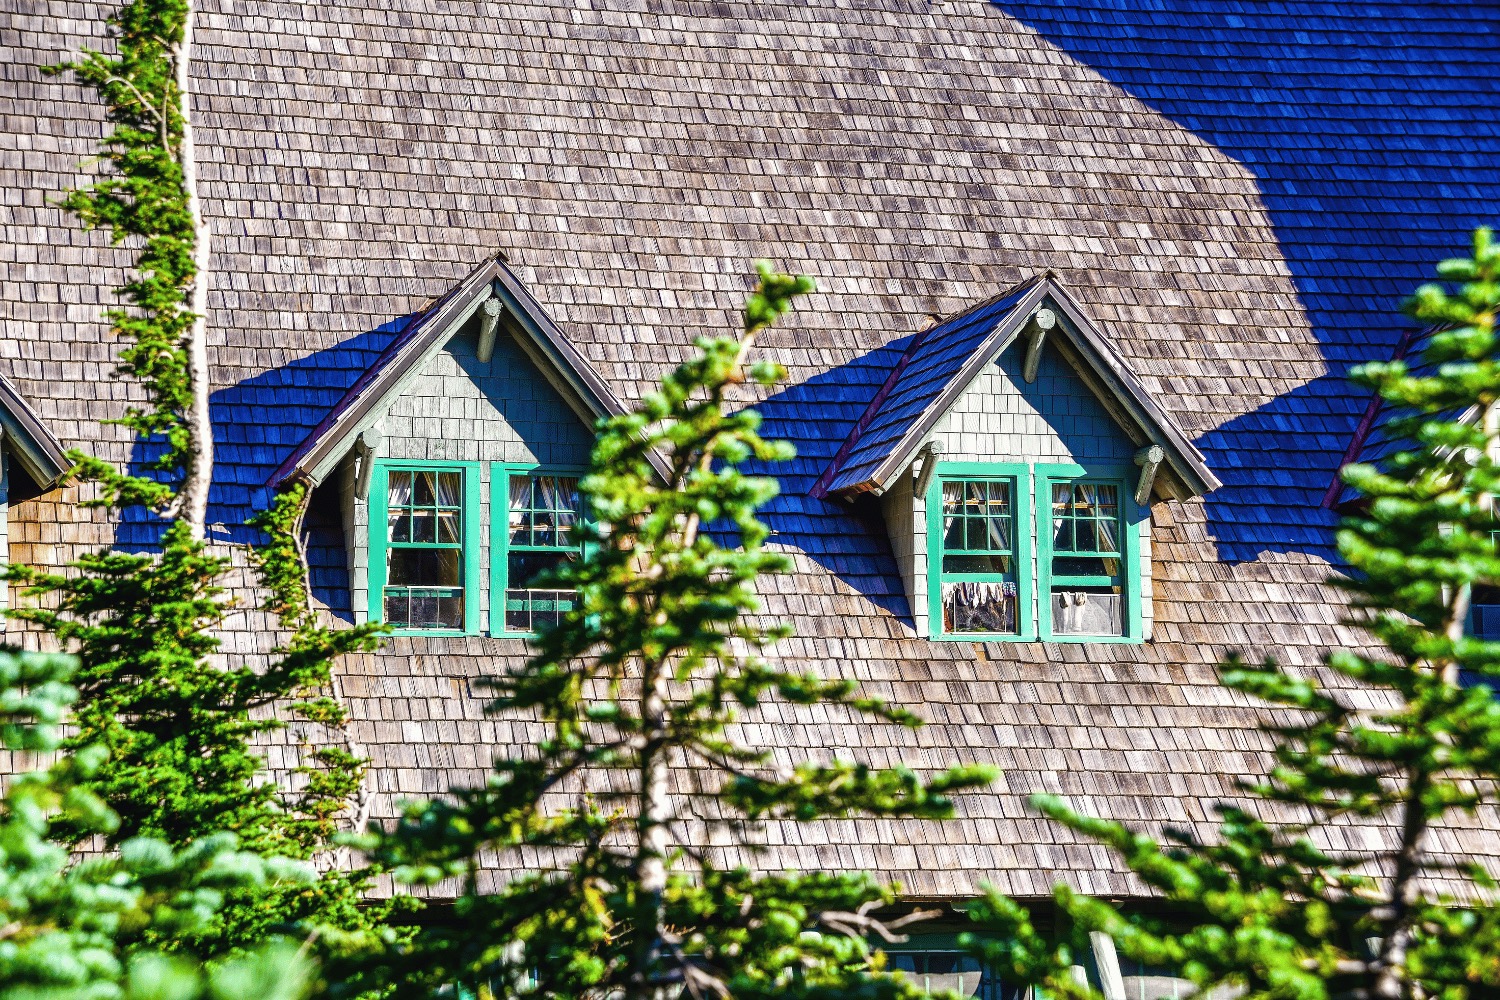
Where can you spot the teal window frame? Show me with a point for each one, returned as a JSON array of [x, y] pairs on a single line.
[[379, 536], [500, 545], [1019, 478], [1048, 475]]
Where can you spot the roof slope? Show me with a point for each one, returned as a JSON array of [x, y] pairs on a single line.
[[360, 158], [941, 361], [333, 435]]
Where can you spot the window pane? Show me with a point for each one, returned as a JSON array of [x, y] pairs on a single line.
[[543, 509], [425, 493], [398, 524], [1088, 611], [1085, 566], [449, 527], [424, 526], [448, 491], [521, 568], [424, 608], [977, 564], [424, 568], [979, 606]]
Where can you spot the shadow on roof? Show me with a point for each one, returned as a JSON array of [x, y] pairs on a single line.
[[816, 415], [1373, 139], [257, 423]]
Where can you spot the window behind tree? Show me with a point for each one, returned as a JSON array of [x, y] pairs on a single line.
[[425, 538], [542, 512]]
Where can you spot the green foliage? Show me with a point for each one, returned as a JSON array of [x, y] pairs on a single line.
[[1263, 907], [143, 199], [643, 681], [91, 928], [178, 723]]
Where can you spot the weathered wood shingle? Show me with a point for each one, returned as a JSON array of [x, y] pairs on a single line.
[[1218, 182]]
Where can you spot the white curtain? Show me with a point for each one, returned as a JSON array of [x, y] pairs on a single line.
[[399, 492], [449, 489]]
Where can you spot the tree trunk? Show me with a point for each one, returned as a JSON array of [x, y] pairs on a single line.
[[200, 459], [651, 830]]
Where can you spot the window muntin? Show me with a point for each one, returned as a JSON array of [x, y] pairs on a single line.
[[542, 509], [425, 538], [1086, 592], [978, 585]]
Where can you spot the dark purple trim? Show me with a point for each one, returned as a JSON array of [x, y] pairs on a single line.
[[1361, 432], [819, 489]]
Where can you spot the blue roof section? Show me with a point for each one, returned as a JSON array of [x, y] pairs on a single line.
[[930, 363], [1371, 130]]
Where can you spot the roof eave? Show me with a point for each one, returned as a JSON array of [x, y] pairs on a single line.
[[38, 450], [1185, 461]]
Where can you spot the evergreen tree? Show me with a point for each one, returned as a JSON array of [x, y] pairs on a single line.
[[94, 929], [1264, 907], [177, 723], [641, 683]]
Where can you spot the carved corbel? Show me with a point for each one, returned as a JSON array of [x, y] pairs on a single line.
[[1149, 459], [489, 322], [365, 447], [1041, 323]]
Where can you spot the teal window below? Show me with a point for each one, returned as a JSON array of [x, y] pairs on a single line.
[[536, 536], [424, 550], [952, 971]]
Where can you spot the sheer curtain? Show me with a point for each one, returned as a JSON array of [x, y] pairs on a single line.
[[399, 492], [448, 490]]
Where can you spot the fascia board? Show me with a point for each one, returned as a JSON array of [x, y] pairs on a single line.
[[1186, 460], [1001, 337]]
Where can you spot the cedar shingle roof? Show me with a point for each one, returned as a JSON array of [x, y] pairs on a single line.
[[1240, 192], [942, 360]]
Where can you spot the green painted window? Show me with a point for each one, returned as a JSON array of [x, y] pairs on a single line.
[[1088, 569], [981, 532], [424, 553], [979, 554], [1087, 573], [535, 536]]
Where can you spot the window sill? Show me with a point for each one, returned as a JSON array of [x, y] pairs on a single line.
[[1114, 640]]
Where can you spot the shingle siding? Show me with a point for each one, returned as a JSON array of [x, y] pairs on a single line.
[[360, 158]]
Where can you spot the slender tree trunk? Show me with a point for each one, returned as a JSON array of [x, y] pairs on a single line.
[[200, 466], [651, 830], [1391, 981]]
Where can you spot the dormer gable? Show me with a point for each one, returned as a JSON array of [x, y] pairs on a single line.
[[1016, 458], [456, 459]]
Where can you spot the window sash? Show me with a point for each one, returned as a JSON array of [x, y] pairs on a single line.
[[1119, 529], [509, 598], [464, 503], [941, 582]]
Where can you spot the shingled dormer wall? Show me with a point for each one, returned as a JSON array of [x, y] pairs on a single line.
[[461, 409], [1002, 418]]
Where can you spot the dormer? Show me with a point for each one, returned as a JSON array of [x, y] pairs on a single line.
[[32, 461], [457, 457], [1015, 459]]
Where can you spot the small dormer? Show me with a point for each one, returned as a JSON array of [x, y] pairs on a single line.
[[457, 457], [1016, 458]]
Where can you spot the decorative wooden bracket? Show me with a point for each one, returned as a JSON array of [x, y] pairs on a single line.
[[365, 447], [489, 320], [1044, 320], [1149, 459], [930, 453]]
